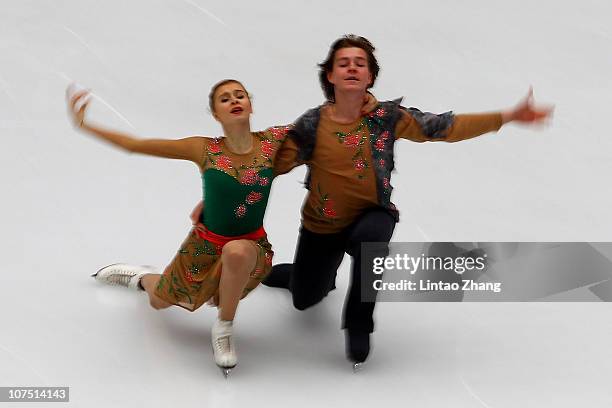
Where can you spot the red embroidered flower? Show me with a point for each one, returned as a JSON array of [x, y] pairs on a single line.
[[351, 140], [224, 162], [253, 197], [268, 257], [380, 112], [279, 132], [214, 147], [330, 212], [328, 209], [386, 182], [267, 148], [240, 211], [381, 162], [263, 181], [359, 164], [384, 135], [249, 177], [379, 145], [189, 276]]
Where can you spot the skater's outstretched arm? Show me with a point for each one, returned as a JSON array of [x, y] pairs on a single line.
[[428, 127], [190, 148]]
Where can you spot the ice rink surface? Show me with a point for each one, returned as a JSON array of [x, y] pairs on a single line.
[[71, 204]]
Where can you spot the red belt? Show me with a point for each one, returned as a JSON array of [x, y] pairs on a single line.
[[217, 239]]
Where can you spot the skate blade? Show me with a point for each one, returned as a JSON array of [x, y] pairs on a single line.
[[226, 371], [357, 367]]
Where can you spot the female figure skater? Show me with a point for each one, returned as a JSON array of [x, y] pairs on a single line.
[[228, 254]]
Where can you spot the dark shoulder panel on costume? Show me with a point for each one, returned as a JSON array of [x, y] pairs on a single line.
[[432, 125], [304, 132]]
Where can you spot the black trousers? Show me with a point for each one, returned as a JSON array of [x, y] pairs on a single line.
[[318, 256]]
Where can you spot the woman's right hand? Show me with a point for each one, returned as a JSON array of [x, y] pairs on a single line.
[[78, 98]]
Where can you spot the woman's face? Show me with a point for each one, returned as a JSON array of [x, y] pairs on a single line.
[[351, 71], [231, 103]]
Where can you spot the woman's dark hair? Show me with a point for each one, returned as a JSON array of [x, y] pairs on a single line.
[[211, 95], [347, 41]]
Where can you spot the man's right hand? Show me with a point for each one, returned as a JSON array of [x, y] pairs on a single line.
[[197, 213]]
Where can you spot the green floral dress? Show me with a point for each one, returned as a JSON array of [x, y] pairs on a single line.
[[236, 188]]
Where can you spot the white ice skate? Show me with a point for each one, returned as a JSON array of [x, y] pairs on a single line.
[[123, 275], [223, 346]]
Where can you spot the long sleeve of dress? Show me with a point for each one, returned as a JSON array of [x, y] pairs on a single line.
[[190, 148], [286, 158]]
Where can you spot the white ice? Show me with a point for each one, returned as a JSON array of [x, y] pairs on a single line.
[[71, 204]]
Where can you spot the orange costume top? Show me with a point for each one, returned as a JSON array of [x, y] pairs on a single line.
[[342, 178]]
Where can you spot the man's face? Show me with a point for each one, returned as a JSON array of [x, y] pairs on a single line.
[[351, 71]]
